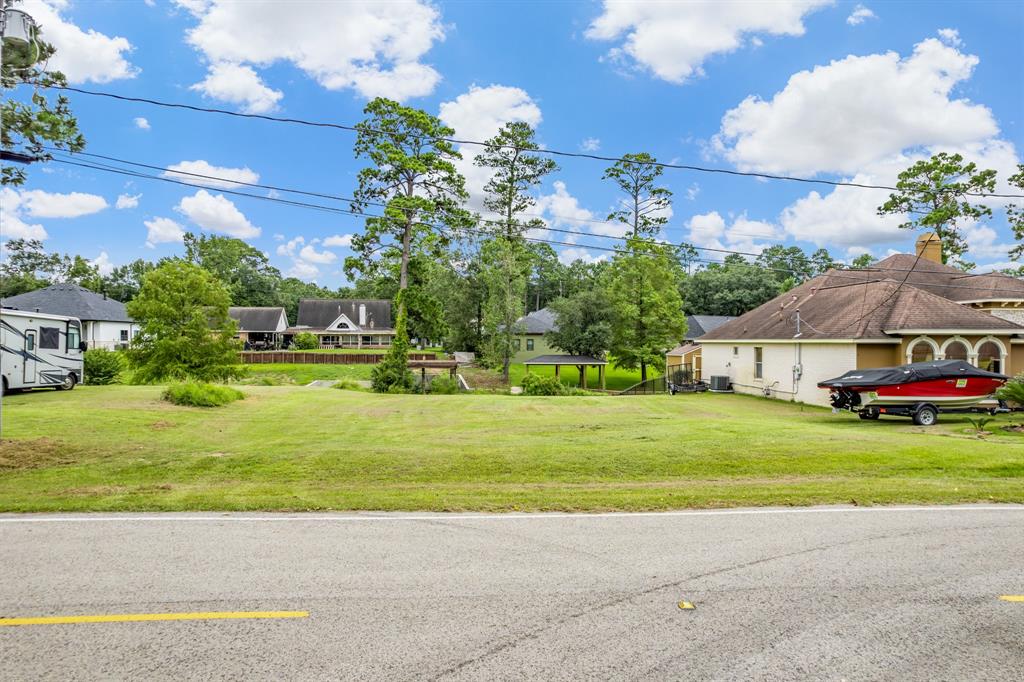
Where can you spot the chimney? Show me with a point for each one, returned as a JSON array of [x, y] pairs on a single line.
[[929, 247]]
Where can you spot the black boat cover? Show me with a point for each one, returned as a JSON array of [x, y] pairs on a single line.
[[905, 374]]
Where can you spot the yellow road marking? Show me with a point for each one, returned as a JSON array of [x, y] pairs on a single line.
[[136, 617], [1012, 597], [686, 605]]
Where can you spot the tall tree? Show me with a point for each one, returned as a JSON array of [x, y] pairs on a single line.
[[862, 261], [184, 328], [1015, 215], [413, 173], [546, 272], [30, 126], [822, 261], [647, 310], [584, 324], [516, 170], [124, 281], [245, 270], [933, 194], [786, 263], [729, 289], [27, 267], [645, 209]]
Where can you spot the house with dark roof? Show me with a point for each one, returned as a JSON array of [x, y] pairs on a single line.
[[345, 323], [905, 308], [259, 327], [687, 355], [105, 322], [529, 341]]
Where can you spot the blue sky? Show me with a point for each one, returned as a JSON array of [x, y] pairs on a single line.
[[826, 90]]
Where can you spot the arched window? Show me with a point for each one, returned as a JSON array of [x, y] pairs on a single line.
[[922, 351], [990, 357], [956, 350]]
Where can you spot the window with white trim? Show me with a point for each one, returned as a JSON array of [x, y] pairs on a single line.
[[758, 362]]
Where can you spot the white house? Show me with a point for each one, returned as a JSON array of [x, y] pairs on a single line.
[[105, 322], [906, 308]]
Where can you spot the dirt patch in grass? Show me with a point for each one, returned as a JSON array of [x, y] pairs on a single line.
[[106, 490], [35, 453], [162, 425]]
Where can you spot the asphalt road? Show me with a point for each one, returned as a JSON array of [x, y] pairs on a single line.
[[825, 593]]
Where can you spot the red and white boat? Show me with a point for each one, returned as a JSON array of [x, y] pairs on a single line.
[[919, 390]]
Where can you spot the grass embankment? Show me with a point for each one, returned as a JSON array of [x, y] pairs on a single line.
[[122, 448]]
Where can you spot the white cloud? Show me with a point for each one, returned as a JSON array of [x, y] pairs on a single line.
[[289, 247], [983, 243], [562, 209], [856, 111], [40, 204], [590, 144], [127, 201], [229, 177], [82, 56], [239, 85], [141, 123], [163, 230], [11, 224], [103, 264], [303, 270], [673, 39], [573, 253], [339, 240], [692, 191], [374, 48], [477, 115], [859, 15], [311, 255], [710, 230], [950, 36], [216, 213]]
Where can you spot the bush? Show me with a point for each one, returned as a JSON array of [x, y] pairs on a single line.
[[535, 384], [201, 395], [1013, 391], [443, 384], [347, 385], [103, 366], [305, 341]]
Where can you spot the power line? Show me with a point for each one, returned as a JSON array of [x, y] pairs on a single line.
[[336, 210], [550, 152]]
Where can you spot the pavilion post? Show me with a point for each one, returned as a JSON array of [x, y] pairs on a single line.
[[557, 371], [600, 373], [583, 377]]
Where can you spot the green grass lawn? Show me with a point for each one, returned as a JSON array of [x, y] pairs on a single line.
[[616, 378], [284, 373], [290, 447]]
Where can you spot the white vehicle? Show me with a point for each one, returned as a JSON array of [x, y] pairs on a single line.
[[39, 350]]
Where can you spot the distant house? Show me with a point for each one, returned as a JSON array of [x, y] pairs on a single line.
[[905, 308], [259, 328], [688, 353], [105, 322], [344, 323], [530, 343]]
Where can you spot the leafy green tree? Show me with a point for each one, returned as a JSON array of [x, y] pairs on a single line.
[[584, 324], [184, 328], [413, 173], [786, 263], [124, 281], [26, 267], [646, 206], [864, 260], [688, 256], [729, 289], [647, 310], [822, 262], [1015, 215], [516, 171], [305, 341], [30, 126], [544, 276], [464, 300], [245, 270], [933, 194]]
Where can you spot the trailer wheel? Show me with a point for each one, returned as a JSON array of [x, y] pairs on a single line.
[[869, 413], [926, 416], [68, 383]]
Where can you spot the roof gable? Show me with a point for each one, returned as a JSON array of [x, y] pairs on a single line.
[[321, 313], [71, 300], [259, 319], [538, 322], [699, 325]]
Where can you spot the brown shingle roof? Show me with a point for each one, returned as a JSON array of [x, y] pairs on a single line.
[[943, 280], [832, 306]]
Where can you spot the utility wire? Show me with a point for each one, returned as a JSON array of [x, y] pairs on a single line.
[[550, 152], [594, 247]]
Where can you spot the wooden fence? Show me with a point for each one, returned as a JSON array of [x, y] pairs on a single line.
[[302, 358]]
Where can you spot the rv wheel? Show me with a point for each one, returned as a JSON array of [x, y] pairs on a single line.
[[926, 416], [68, 383]]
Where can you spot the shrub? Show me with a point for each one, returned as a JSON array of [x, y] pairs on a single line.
[[1013, 391], [391, 374], [305, 341], [347, 385], [442, 384], [103, 366], [196, 394], [535, 384]]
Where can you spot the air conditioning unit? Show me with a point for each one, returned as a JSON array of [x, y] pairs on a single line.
[[720, 384]]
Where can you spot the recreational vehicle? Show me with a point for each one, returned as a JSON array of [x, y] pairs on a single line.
[[39, 350]]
